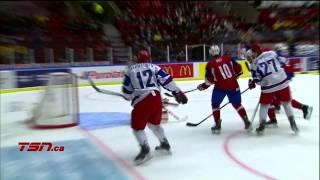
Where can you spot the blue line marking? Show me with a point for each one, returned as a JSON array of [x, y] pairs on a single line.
[[80, 160], [99, 120]]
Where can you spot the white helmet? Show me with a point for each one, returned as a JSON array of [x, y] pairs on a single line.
[[249, 55], [281, 49], [280, 46], [214, 50]]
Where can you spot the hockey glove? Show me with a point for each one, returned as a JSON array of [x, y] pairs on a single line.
[[180, 97], [251, 84], [202, 86]]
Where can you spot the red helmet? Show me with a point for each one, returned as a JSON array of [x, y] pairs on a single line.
[[143, 56], [256, 48]]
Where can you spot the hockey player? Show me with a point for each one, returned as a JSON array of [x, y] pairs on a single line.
[[223, 72], [282, 51], [141, 85], [267, 72], [271, 109]]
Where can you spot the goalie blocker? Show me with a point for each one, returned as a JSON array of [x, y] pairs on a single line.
[[59, 106]]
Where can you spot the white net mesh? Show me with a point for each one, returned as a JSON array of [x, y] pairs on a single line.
[[59, 105]]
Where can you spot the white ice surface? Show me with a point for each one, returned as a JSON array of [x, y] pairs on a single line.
[[197, 154]]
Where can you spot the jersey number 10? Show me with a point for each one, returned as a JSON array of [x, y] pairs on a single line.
[[224, 71]]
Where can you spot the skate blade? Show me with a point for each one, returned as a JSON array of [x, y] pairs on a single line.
[[260, 133], [249, 129], [163, 152], [142, 161], [310, 109], [216, 132], [271, 126], [295, 131]]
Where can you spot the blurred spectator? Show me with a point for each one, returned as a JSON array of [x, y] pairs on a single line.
[[157, 36]]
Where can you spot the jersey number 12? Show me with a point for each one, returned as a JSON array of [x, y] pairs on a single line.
[[148, 74]]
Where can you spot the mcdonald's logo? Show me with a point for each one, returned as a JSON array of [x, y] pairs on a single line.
[[185, 71], [169, 70]]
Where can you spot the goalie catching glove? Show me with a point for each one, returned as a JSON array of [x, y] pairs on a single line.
[[180, 97]]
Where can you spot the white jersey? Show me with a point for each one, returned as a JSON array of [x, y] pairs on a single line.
[[144, 78], [268, 72]]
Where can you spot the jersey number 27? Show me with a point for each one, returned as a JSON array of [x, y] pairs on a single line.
[[266, 68]]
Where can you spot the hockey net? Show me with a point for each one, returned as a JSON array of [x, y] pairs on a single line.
[[59, 106]]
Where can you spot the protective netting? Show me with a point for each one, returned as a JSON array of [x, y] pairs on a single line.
[[59, 105]]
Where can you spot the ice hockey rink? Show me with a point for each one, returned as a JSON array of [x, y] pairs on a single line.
[[103, 146]]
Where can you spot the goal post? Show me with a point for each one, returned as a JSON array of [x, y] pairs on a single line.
[[59, 106]]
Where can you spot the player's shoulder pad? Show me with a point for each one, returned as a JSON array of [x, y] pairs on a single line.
[[210, 63], [271, 52], [226, 58]]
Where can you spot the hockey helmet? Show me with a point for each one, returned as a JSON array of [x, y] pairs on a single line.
[[214, 50], [256, 48], [143, 56], [281, 49], [249, 55]]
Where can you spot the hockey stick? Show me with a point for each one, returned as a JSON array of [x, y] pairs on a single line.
[[108, 92], [170, 104], [175, 116], [170, 95], [254, 113], [166, 102], [253, 116], [196, 124]]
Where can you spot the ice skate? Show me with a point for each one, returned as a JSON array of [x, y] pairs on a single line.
[[293, 125], [277, 108], [261, 128], [164, 147], [247, 125], [272, 123], [307, 111], [217, 128], [143, 156]]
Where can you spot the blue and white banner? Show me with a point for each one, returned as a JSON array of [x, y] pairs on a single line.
[[100, 74], [312, 63], [8, 80], [306, 50], [35, 77]]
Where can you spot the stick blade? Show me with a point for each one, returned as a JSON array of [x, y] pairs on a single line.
[[167, 94], [191, 124]]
